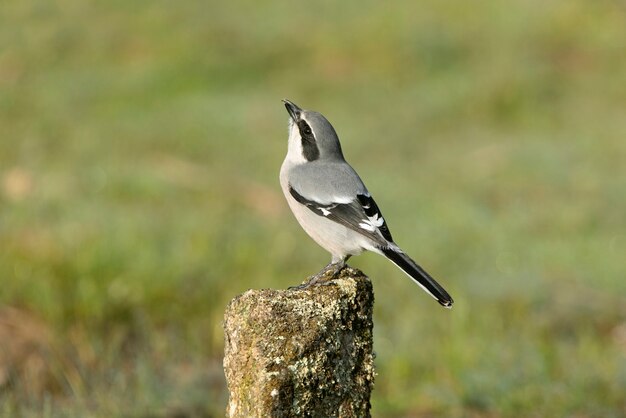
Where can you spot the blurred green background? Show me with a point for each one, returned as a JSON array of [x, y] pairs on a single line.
[[140, 144]]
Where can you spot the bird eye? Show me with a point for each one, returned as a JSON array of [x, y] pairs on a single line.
[[305, 129]]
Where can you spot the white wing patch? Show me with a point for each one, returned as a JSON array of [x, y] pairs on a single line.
[[372, 223], [324, 211], [330, 201]]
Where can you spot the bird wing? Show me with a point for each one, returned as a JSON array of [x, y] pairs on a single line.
[[326, 182], [361, 214]]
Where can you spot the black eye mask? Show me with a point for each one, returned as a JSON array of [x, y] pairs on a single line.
[[309, 147]]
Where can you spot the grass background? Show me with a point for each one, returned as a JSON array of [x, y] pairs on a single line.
[[140, 144]]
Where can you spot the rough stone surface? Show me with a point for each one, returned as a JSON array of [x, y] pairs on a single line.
[[304, 353]]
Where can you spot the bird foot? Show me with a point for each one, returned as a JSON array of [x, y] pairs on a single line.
[[324, 278]]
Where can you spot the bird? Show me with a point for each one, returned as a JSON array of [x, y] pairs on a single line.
[[333, 206]]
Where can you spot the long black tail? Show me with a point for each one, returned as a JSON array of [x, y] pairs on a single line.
[[419, 275]]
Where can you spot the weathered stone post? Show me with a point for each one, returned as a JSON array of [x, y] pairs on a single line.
[[301, 353]]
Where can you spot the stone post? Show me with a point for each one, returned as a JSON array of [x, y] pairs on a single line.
[[301, 353]]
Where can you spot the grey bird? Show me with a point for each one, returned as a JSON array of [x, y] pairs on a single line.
[[332, 204]]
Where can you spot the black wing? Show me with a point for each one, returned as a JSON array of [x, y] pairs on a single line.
[[361, 215]]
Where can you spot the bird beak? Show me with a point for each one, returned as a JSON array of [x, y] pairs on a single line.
[[293, 109]]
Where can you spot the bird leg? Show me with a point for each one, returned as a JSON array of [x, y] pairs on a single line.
[[323, 277]]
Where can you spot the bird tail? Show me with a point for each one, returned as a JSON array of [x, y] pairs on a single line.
[[419, 275]]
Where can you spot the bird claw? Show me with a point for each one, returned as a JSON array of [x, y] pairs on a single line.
[[322, 278]]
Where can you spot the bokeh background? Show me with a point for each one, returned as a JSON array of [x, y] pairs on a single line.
[[140, 144]]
